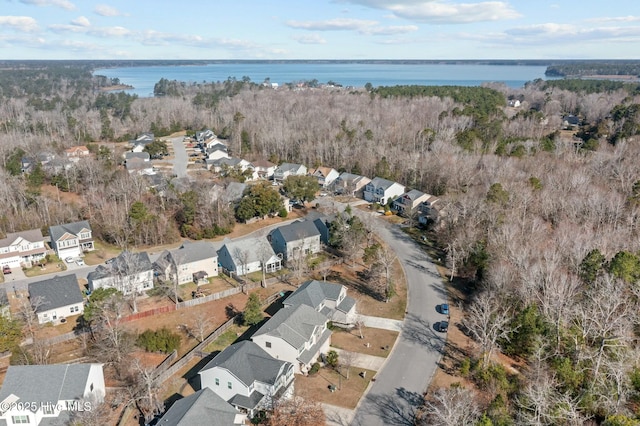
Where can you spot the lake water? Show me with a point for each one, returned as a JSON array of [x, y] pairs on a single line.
[[347, 74]]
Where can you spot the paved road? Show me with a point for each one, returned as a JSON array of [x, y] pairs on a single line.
[[398, 389], [181, 160]]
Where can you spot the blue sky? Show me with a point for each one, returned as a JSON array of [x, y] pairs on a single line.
[[319, 29]]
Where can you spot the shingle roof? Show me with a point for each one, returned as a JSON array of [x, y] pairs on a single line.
[[297, 230], [256, 248], [74, 228], [313, 293], [414, 194], [248, 362], [291, 167], [127, 263], [294, 325], [203, 408], [379, 182], [194, 251], [46, 383], [32, 235], [55, 292]]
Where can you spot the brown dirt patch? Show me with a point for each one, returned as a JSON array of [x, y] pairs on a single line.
[[377, 339], [316, 387]]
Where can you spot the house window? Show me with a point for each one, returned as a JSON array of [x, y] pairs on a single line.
[[91, 387], [217, 382], [229, 385], [267, 344], [20, 420]]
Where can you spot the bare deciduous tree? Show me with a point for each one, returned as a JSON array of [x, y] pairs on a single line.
[[451, 406]]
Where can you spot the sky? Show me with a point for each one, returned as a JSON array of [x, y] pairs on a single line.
[[319, 29]]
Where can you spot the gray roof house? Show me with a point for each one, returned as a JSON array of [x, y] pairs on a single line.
[[246, 255], [71, 239], [49, 394], [297, 334], [330, 299], [248, 377], [24, 247], [410, 201], [127, 273], [285, 170], [350, 184], [299, 238], [56, 298], [381, 190], [203, 408], [182, 263]]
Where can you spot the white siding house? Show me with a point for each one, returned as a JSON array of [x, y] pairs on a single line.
[[191, 258], [56, 298], [382, 190], [127, 273], [247, 255], [71, 239], [22, 248]]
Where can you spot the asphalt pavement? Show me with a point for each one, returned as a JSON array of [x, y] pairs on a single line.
[[181, 160]]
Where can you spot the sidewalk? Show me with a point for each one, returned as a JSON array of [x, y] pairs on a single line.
[[369, 362], [383, 323]]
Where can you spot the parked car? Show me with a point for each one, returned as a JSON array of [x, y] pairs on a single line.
[[108, 261], [6, 269], [442, 326], [444, 309], [70, 259], [80, 262]]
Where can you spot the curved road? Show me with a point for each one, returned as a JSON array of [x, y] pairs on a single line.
[[399, 387]]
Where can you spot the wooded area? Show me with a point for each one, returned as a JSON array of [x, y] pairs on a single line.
[[543, 223]]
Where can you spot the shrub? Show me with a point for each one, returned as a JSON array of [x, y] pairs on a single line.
[[314, 368], [161, 340]]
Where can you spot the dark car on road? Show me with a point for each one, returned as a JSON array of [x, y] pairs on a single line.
[[442, 326], [444, 309]]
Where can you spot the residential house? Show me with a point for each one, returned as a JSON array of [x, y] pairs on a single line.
[[22, 248], [204, 135], [381, 190], [223, 165], [409, 202], [325, 175], [216, 151], [50, 394], [247, 255], [233, 192], [263, 169], [285, 170], [138, 162], [297, 334], [247, 377], [330, 299], [127, 273], [76, 152], [143, 139], [58, 165], [429, 211], [56, 298], [297, 238], [27, 164], [182, 263], [203, 408], [350, 184], [71, 239]]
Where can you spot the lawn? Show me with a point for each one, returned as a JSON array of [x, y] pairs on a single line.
[[49, 268], [226, 339], [347, 393], [379, 340]]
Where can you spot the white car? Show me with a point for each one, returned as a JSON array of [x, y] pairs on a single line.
[[70, 259], [80, 262]]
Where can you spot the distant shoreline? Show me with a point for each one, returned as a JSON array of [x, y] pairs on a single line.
[[116, 87]]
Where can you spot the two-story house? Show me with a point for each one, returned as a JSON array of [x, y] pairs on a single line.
[[190, 259], [350, 184], [285, 170], [56, 298], [247, 255], [325, 175], [298, 334], [216, 151], [50, 394], [327, 298], [429, 211], [247, 377], [71, 239], [128, 272], [409, 202], [76, 152], [381, 190], [202, 408], [299, 238], [263, 169], [22, 248]]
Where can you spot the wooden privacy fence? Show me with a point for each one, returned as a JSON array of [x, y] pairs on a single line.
[[155, 311], [209, 298]]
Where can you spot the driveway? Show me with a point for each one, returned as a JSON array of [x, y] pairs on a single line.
[[180, 160]]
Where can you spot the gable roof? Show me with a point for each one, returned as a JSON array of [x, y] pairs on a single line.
[[144, 156], [254, 247], [32, 235], [263, 164], [46, 383], [313, 293], [55, 292], [414, 194], [294, 325], [289, 167], [57, 231], [297, 230], [323, 171], [248, 362], [194, 252], [379, 182], [203, 408], [127, 263]]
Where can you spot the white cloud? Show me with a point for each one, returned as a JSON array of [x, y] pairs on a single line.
[[64, 4], [310, 39], [346, 24], [81, 21], [443, 11], [628, 18], [19, 23], [106, 10]]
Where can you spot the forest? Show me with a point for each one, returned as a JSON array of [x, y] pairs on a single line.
[[540, 216]]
